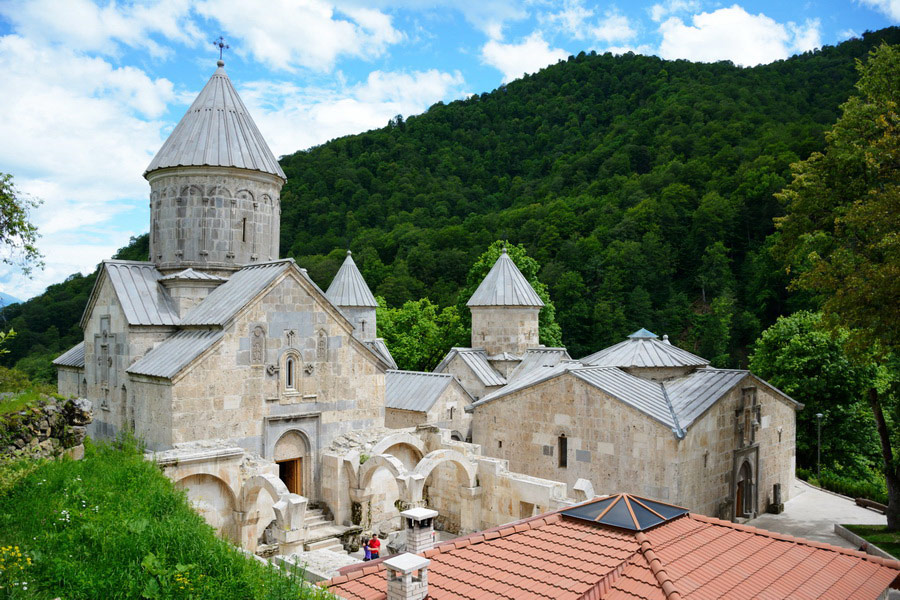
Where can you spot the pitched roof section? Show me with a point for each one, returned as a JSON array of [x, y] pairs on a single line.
[[535, 358], [174, 354], [477, 360], [191, 275], [414, 390], [693, 394], [556, 557], [73, 357], [348, 288], [217, 131], [381, 350], [641, 350], [505, 285], [226, 300], [142, 299]]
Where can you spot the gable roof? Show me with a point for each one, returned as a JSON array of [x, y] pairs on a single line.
[[676, 403], [504, 285], [477, 361], [175, 353], [539, 357], [381, 350], [217, 131], [348, 288], [415, 390], [143, 300], [73, 357], [642, 350], [553, 556], [226, 300]]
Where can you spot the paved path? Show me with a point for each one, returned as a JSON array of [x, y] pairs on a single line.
[[811, 513]]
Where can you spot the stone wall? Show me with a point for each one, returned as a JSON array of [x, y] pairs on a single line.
[[504, 328], [454, 397], [70, 382], [213, 218], [46, 429], [458, 368]]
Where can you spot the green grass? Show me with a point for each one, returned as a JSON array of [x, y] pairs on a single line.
[[889, 541], [20, 401], [113, 526]]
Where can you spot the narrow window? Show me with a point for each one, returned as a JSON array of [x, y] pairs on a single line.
[[563, 451], [499, 444], [244, 229], [289, 374], [451, 413]]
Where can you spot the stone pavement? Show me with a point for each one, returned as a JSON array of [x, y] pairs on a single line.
[[811, 513]]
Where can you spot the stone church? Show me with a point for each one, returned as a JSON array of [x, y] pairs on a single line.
[[273, 402]]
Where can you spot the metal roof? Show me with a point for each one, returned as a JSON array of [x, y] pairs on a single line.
[[348, 288], [476, 359], [381, 350], [539, 357], [174, 354], [73, 357], [217, 131], [226, 300], [505, 285], [644, 395], [414, 390], [142, 299], [693, 394], [191, 275], [626, 511], [643, 351]]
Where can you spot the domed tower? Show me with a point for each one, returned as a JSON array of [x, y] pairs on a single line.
[[214, 188]]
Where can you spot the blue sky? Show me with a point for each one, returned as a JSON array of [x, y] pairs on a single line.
[[91, 90]]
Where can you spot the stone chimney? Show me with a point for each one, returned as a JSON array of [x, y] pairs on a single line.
[[407, 577], [419, 529]]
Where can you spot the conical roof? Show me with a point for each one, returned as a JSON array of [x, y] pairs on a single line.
[[349, 288], [643, 349], [505, 285], [217, 131]]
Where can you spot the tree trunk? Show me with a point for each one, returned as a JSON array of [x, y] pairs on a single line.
[[890, 469]]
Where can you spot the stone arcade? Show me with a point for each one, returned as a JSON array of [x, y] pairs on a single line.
[[286, 420]]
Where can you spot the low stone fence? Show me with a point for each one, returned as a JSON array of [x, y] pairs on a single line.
[[49, 428], [861, 543]]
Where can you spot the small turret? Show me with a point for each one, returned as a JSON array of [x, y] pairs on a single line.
[[349, 292], [505, 310]]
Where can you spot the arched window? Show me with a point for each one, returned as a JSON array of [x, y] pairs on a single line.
[[290, 373]]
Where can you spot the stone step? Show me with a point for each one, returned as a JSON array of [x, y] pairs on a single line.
[[332, 544], [313, 521]]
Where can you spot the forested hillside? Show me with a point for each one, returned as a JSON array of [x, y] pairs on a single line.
[[643, 188]]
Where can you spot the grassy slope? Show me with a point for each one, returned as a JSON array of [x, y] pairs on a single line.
[[112, 526], [889, 541]]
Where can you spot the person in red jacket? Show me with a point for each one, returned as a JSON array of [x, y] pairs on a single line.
[[374, 546]]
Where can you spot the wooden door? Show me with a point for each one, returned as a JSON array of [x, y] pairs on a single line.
[[739, 500], [291, 473]]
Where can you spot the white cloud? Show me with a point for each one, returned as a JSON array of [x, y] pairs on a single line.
[[736, 35], [890, 8], [515, 60], [291, 118], [664, 9], [614, 28], [577, 21], [847, 34], [286, 34], [76, 133], [83, 25], [487, 16]]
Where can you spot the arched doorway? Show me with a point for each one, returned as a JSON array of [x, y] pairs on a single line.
[[743, 492], [291, 456], [214, 500]]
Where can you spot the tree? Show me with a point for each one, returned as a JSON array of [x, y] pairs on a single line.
[[549, 330], [17, 234], [839, 236], [811, 365], [419, 333]]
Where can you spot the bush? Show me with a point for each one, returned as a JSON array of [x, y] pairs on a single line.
[[873, 488], [112, 526]]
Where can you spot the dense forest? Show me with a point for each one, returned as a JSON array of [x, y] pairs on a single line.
[[643, 188]]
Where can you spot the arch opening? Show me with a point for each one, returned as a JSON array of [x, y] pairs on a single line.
[[291, 455], [214, 500]]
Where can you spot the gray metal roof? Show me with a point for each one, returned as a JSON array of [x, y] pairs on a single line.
[[348, 288], [191, 275], [226, 300], [693, 394], [645, 395], [143, 300], [414, 390], [644, 352], [73, 357], [217, 131], [505, 285], [539, 357], [174, 354], [381, 350], [476, 359]]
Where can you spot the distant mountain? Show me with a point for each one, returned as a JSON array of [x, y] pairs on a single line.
[[6, 299]]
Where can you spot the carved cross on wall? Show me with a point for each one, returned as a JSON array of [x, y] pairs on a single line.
[[291, 337]]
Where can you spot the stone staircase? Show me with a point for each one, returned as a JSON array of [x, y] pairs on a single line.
[[322, 532]]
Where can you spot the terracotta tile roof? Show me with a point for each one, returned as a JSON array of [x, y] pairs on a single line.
[[691, 557]]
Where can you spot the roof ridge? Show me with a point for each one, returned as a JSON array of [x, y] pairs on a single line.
[[679, 432], [657, 567], [604, 585], [431, 373], [797, 540]]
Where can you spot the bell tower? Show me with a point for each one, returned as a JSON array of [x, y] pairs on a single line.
[[214, 188]]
